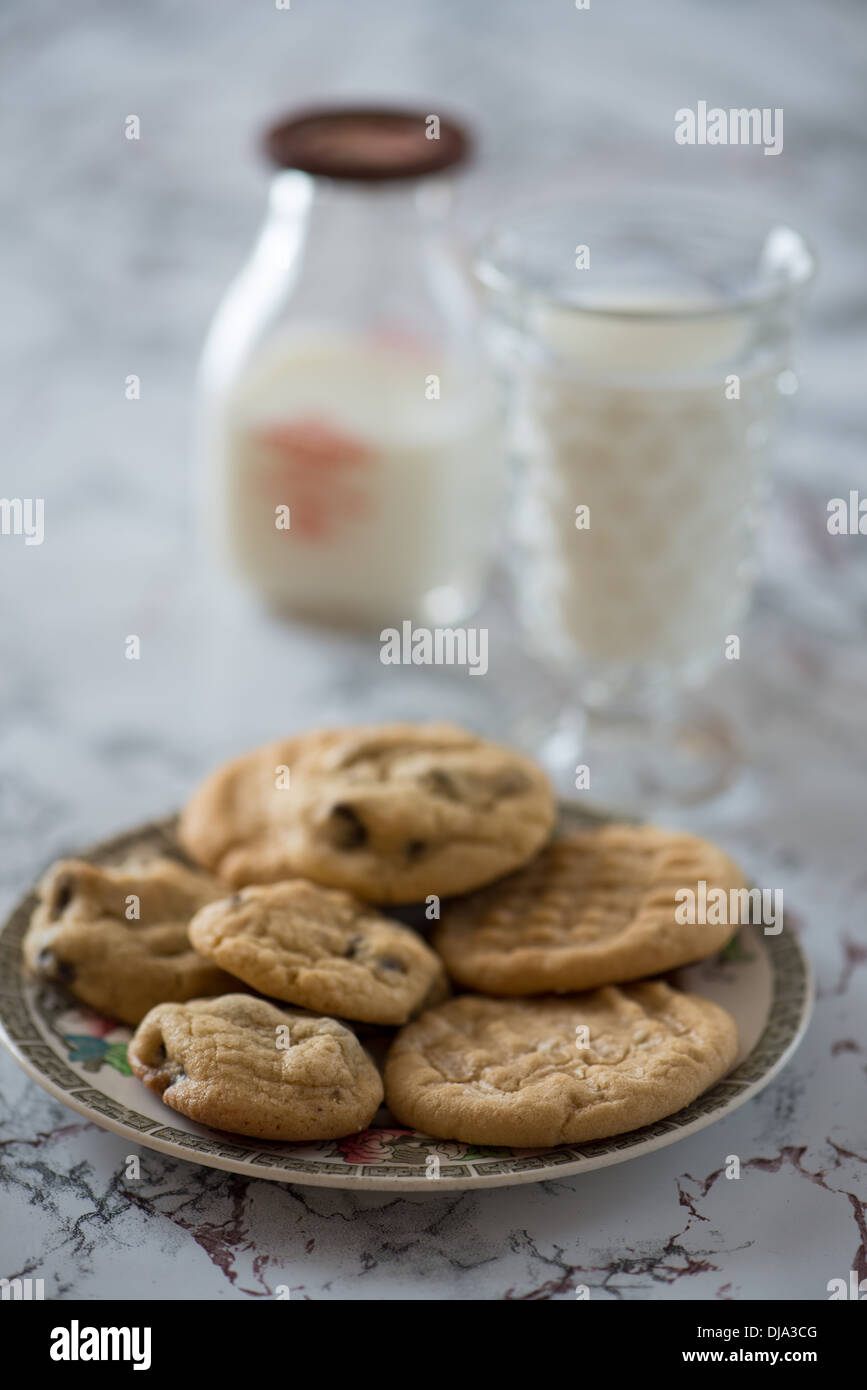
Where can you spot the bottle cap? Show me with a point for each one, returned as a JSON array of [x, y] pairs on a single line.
[[368, 143]]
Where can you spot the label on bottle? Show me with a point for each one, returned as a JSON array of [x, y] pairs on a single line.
[[319, 472]]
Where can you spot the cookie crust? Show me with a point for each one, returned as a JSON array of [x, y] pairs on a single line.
[[391, 813], [81, 936], [321, 949], [511, 1071], [595, 907], [225, 1063]]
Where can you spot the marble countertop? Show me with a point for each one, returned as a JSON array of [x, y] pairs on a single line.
[[114, 255]]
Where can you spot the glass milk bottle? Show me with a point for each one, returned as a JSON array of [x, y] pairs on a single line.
[[348, 432]]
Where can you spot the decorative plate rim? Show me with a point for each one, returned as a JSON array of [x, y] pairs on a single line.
[[787, 1021]]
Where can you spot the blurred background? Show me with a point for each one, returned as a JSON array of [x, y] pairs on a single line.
[[114, 255]]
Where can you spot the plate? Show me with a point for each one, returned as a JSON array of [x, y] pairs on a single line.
[[80, 1058]]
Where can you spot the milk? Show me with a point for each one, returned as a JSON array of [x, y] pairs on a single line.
[[629, 417], [388, 461]]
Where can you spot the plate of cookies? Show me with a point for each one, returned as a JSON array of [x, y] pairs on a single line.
[[385, 957]]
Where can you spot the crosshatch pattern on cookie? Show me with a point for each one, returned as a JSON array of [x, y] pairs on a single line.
[[597, 906], [582, 888]]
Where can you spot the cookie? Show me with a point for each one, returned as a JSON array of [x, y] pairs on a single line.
[[321, 949], [85, 935], [242, 1064], [393, 813], [517, 1071], [595, 907]]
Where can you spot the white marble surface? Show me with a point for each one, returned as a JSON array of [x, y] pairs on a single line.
[[113, 256]]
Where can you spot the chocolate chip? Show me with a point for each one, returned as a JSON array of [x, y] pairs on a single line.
[[345, 828], [472, 788], [352, 947], [50, 968], [511, 783], [440, 784], [63, 890], [415, 849], [389, 963]]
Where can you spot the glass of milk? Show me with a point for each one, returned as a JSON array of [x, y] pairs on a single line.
[[646, 343], [349, 434]]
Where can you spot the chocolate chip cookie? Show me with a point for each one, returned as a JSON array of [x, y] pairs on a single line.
[[116, 937], [242, 1064], [393, 813], [529, 1072], [595, 907], [321, 949]]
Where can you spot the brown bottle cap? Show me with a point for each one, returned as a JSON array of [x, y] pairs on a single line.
[[369, 143]]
